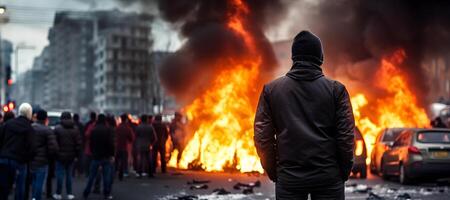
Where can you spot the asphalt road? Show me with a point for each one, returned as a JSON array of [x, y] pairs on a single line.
[[174, 185]]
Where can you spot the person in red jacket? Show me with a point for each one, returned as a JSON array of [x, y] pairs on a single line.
[[124, 138]]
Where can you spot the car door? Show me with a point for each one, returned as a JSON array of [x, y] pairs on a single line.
[[392, 156]]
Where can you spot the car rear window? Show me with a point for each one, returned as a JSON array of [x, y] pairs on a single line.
[[391, 135], [434, 137]]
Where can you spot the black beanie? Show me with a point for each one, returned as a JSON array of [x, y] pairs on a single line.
[[307, 47]]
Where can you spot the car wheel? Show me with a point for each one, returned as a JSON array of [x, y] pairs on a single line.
[[373, 169], [403, 177], [383, 170], [363, 172]]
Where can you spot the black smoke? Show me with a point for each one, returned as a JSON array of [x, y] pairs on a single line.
[[210, 45], [356, 33]]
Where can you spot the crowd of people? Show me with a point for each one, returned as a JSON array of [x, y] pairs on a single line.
[[33, 154]]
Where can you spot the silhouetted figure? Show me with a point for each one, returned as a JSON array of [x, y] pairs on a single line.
[[16, 151], [69, 143], [45, 146], [124, 138], [162, 133], [145, 138], [103, 149], [304, 128]]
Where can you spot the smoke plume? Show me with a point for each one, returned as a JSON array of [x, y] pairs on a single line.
[[356, 34], [209, 42]]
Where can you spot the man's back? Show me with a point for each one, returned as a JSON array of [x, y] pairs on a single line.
[[145, 136], [16, 140], [44, 143], [162, 132], [304, 128], [102, 142], [69, 140], [124, 134], [304, 120]]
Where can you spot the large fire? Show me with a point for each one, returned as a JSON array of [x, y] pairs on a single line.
[[399, 108], [221, 119]]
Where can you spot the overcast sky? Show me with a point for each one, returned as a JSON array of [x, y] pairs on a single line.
[[29, 21]]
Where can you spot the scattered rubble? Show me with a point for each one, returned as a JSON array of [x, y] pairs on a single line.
[[194, 182], [373, 196], [199, 187], [185, 197], [221, 191]]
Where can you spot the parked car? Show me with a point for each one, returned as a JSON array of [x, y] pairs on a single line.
[[384, 140], [360, 156], [417, 154], [53, 119]]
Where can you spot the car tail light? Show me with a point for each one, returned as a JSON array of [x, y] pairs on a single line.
[[359, 147], [413, 150]]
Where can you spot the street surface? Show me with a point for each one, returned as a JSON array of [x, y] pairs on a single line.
[[174, 185]]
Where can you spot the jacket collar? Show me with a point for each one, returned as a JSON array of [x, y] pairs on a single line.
[[305, 71]]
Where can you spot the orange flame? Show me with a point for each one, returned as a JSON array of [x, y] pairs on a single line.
[[222, 118], [399, 108]]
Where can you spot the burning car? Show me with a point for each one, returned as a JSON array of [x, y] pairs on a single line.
[[418, 153], [385, 139]]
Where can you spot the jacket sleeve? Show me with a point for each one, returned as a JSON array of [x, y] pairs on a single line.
[[265, 136], [52, 145], [112, 143], [154, 136], [30, 138], [77, 137], [345, 127]]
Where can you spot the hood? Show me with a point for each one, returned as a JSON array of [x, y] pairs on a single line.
[[305, 71], [307, 47], [67, 123]]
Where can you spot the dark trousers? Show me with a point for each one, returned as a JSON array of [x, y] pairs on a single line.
[[161, 149], [38, 178], [8, 170], [121, 162], [50, 176], [64, 174], [98, 178], [331, 192], [144, 162], [107, 169]]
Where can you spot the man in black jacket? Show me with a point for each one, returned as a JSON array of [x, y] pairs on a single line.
[[16, 150], [304, 128], [145, 138], [103, 149], [45, 146], [162, 133], [69, 143]]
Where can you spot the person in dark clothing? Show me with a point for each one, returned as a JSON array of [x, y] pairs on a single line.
[[69, 143], [103, 149], [124, 135], [304, 128], [8, 115], [177, 135], [438, 123], [78, 165], [145, 138], [162, 133], [16, 150], [45, 146]]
